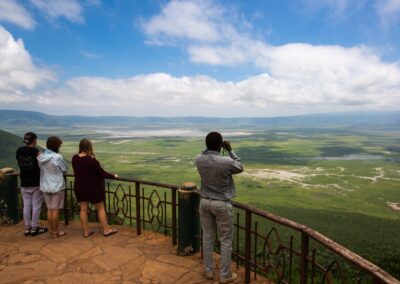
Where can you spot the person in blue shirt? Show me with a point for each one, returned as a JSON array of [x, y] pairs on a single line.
[[52, 183]]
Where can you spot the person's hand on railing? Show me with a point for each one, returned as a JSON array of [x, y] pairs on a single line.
[[116, 176]]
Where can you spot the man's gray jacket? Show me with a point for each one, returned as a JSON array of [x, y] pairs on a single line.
[[216, 174]]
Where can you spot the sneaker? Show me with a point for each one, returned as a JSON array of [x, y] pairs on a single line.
[[228, 279], [209, 275], [38, 231], [27, 232]]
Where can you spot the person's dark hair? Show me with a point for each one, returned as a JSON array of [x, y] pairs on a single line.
[[29, 137], [53, 143], [86, 146], [214, 141]]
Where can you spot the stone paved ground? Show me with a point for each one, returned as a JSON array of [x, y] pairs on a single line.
[[121, 258]]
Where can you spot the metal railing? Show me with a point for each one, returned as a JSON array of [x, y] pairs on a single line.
[[264, 243], [131, 201], [305, 257]]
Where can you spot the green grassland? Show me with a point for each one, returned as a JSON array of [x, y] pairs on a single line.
[[335, 180], [8, 145]]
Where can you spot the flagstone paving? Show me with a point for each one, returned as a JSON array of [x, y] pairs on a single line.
[[121, 258]]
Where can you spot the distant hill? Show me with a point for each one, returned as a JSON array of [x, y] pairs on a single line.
[[9, 143], [32, 118], [11, 118]]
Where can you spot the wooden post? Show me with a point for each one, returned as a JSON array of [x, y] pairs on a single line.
[[9, 196], [188, 220]]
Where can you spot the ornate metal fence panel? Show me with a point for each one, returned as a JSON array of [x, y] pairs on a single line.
[[145, 205]]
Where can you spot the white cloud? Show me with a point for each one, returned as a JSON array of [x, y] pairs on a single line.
[[18, 73], [71, 9], [202, 21], [389, 12], [263, 95], [204, 29], [12, 12], [336, 7], [90, 54], [295, 73]]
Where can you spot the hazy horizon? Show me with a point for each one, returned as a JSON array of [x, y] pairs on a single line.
[[338, 113]]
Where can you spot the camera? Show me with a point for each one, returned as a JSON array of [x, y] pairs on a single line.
[[226, 145]]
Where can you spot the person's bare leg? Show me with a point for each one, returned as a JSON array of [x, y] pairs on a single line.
[[50, 220], [83, 214], [101, 214], [56, 213]]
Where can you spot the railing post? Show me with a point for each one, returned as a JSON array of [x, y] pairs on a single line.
[[174, 242], [107, 201], [247, 247], [66, 219], [188, 220], [138, 217], [9, 196], [376, 281], [71, 199], [304, 258]]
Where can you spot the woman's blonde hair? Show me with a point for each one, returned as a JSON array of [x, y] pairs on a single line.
[[86, 146]]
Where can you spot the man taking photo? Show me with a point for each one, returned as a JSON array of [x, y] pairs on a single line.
[[216, 213]]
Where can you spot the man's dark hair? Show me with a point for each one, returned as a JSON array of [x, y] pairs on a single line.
[[214, 141], [53, 143], [29, 137]]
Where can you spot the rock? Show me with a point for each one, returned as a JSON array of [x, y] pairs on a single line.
[[115, 257], [133, 269], [5, 171], [72, 277], [161, 272], [58, 252], [192, 277], [20, 258], [22, 272], [179, 261]]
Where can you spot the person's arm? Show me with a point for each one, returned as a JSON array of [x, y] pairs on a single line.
[[235, 167], [61, 164], [100, 171], [233, 155]]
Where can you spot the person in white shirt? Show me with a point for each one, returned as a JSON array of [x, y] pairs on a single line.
[[52, 182]]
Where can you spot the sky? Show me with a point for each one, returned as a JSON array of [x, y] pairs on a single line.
[[216, 58]]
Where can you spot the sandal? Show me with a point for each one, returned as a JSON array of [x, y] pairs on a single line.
[[58, 234], [88, 235], [112, 232], [27, 232], [38, 231]]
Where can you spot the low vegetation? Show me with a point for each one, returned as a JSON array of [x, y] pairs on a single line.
[[339, 182]]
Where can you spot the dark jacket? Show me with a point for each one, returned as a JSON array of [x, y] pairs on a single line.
[[28, 166]]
